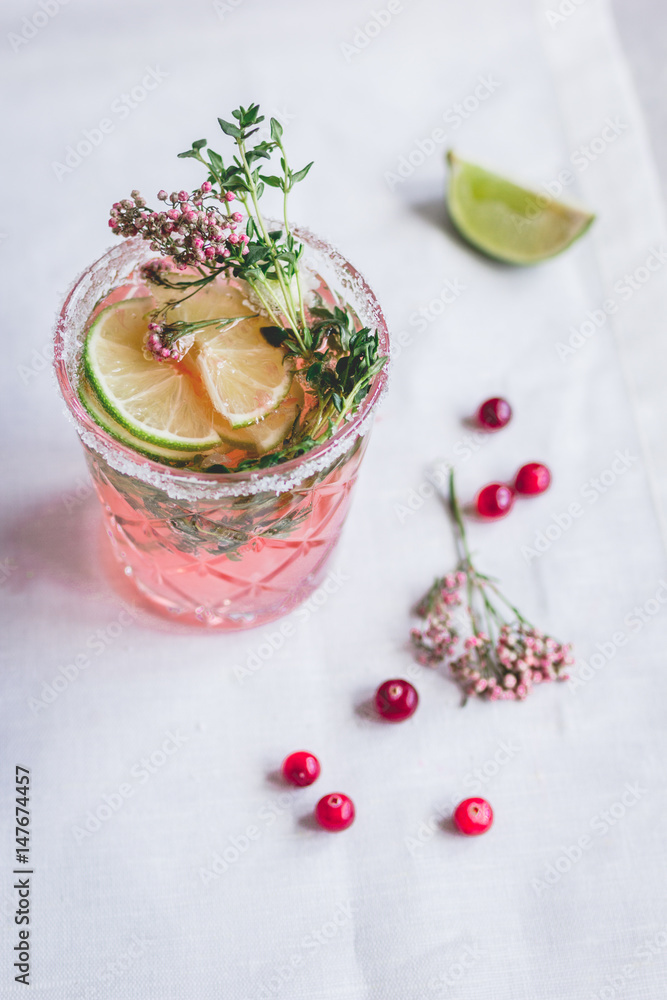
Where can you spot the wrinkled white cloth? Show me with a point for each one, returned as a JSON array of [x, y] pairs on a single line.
[[168, 861]]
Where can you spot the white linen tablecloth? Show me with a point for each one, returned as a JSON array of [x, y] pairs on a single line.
[[168, 861]]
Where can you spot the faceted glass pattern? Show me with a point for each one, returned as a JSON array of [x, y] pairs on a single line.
[[233, 562]]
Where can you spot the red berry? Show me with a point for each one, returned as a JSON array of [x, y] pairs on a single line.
[[494, 413], [396, 700], [532, 479], [495, 500], [473, 816], [335, 811], [301, 768]]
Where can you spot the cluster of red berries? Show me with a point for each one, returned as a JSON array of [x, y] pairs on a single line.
[[395, 701], [497, 499]]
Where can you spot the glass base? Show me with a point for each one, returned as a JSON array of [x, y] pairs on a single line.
[[224, 616]]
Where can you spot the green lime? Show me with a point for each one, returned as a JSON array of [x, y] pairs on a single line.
[[508, 222], [269, 432], [104, 419], [157, 402], [245, 377]]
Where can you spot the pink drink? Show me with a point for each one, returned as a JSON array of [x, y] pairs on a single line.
[[233, 561], [231, 550]]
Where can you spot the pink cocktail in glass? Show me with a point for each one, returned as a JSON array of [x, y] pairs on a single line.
[[230, 550]]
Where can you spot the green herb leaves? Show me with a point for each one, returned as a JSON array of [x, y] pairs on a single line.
[[343, 370], [230, 129], [246, 118]]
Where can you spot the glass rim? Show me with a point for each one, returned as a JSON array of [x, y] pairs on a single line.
[[275, 478]]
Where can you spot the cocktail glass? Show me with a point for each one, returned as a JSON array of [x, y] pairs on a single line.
[[228, 550]]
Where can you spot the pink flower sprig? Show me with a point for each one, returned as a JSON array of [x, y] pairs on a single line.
[[165, 341], [189, 232], [499, 659], [439, 636]]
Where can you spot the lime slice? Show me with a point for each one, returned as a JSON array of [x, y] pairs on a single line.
[[271, 431], [245, 377], [156, 401], [210, 301], [92, 404], [508, 222]]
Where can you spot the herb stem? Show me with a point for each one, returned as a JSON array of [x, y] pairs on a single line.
[[475, 580], [255, 287], [288, 231], [460, 535], [289, 304]]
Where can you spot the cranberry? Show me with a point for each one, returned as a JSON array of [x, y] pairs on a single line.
[[335, 811], [301, 768], [494, 413], [473, 816], [396, 700], [495, 500], [532, 479]]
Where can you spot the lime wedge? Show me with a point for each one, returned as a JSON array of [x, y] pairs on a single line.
[[156, 401], [508, 222], [92, 404], [246, 378]]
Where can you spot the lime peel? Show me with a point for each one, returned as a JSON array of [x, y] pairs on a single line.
[[94, 408]]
